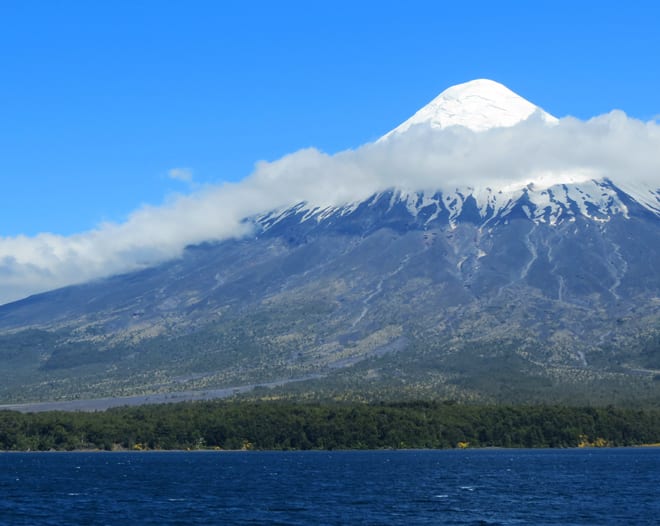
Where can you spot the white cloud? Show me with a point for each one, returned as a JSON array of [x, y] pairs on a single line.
[[181, 174], [613, 145]]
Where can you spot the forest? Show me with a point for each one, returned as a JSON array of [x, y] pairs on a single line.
[[280, 425]]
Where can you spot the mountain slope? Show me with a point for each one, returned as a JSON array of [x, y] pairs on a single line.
[[378, 288], [545, 291]]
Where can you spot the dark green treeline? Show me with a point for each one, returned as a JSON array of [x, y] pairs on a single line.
[[285, 425]]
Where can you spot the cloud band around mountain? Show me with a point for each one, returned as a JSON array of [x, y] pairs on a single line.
[[611, 146]]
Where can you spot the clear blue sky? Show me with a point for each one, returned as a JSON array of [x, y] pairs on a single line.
[[100, 100]]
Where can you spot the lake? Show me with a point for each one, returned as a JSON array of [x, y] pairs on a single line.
[[487, 487]]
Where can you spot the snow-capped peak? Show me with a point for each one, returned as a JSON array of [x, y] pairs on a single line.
[[550, 195], [478, 105]]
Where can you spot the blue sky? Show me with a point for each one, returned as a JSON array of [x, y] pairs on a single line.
[[99, 100], [131, 129]]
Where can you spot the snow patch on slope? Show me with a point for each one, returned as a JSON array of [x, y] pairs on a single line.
[[597, 200]]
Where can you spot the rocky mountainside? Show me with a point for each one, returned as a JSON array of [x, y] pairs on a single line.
[[544, 291]]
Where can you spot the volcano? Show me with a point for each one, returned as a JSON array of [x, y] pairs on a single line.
[[541, 286]]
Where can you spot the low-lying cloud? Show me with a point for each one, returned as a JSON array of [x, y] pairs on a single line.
[[625, 150]]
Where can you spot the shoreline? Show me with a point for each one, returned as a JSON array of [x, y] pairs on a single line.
[[220, 451]]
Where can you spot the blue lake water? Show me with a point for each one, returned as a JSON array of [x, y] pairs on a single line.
[[599, 486]]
